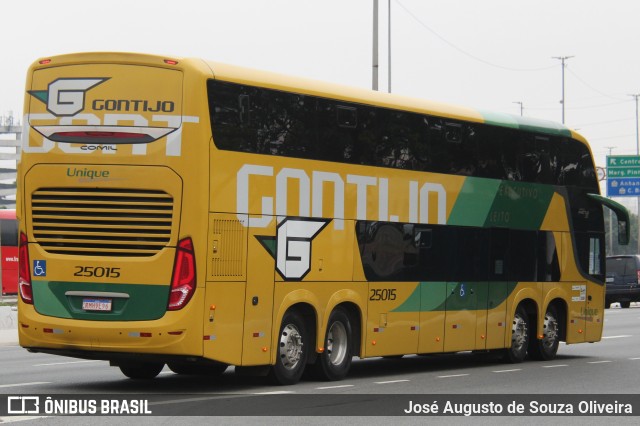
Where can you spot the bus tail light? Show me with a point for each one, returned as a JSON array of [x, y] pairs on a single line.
[[638, 275], [24, 274], [183, 282]]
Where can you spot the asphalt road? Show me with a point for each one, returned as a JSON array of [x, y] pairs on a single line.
[[592, 370]]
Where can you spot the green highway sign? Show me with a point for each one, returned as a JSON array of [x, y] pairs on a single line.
[[623, 166]]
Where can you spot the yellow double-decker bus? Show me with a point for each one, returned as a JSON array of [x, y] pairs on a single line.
[[200, 215]]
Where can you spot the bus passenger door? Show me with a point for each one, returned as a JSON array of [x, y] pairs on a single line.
[[466, 306], [225, 288], [461, 316]]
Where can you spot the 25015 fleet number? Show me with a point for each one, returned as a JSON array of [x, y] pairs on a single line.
[[96, 272], [380, 294]]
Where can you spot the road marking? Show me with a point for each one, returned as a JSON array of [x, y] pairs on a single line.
[[554, 366], [452, 375], [617, 337], [24, 384], [507, 371], [273, 393], [634, 359], [597, 362], [64, 363], [391, 381], [336, 387]]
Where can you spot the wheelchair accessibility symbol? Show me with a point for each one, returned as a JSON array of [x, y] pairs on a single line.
[[40, 268]]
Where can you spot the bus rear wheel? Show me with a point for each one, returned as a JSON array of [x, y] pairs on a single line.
[[141, 370], [334, 362], [293, 353], [545, 349], [519, 337]]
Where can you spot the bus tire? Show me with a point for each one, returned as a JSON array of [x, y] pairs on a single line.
[[625, 304], [545, 349], [141, 370], [293, 352], [519, 337], [334, 362]]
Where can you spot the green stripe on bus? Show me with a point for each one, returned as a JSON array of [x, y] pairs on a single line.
[[145, 302], [525, 123], [519, 205], [474, 202], [440, 296]]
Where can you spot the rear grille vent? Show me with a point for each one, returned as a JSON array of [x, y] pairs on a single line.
[[101, 222]]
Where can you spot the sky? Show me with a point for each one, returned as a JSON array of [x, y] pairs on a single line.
[[489, 54]]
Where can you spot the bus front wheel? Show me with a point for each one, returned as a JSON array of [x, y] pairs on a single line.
[[293, 350], [519, 337], [334, 362], [141, 370]]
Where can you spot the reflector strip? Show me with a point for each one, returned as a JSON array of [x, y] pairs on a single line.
[[139, 334], [378, 329], [258, 334], [212, 337], [414, 328], [53, 330], [175, 333]]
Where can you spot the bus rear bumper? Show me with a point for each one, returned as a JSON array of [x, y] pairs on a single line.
[[105, 339]]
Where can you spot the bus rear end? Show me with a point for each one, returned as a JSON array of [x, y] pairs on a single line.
[[107, 258]]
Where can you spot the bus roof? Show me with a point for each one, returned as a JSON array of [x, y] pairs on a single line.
[[242, 75], [282, 82]]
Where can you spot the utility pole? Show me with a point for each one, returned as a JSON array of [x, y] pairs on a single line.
[[635, 97], [521, 107], [562, 59], [375, 45], [611, 252], [389, 42]]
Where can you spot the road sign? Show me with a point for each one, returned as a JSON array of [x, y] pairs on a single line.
[[623, 176], [623, 187]]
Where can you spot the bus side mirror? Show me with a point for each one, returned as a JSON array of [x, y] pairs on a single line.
[[621, 213]]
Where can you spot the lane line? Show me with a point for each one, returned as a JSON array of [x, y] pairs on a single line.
[[452, 375], [507, 371], [597, 362], [617, 337], [555, 366], [391, 381], [65, 363], [24, 384], [273, 393], [336, 387], [634, 359]]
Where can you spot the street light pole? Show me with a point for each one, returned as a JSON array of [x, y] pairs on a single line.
[[562, 60]]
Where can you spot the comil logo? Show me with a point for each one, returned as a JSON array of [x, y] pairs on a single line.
[[65, 96]]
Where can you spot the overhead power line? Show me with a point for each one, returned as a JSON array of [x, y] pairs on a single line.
[[464, 52]]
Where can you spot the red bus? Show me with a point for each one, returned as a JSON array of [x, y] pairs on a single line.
[[9, 251]]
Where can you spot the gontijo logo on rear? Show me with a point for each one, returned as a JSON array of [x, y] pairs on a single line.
[[65, 96], [73, 120]]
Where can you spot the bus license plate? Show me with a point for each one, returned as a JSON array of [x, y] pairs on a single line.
[[96, 305]]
